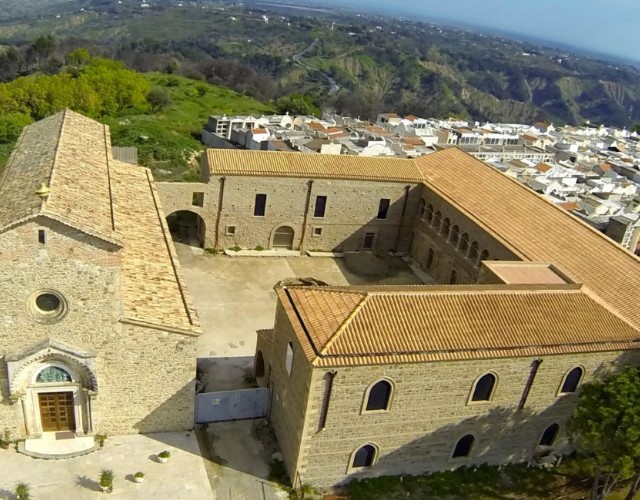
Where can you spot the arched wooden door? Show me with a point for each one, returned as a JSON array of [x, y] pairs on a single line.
[[283, 238]]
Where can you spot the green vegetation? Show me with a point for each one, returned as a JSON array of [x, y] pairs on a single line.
[[605, 430], [162, 115]]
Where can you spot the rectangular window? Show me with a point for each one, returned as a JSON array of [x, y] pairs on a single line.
[[231, 230], [260, 205], [368, 241], [321, 206], [383, 208], [317, 231], [41, 236], [197, 200]]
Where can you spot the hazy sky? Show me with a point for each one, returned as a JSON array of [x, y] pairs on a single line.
[[606, 26]]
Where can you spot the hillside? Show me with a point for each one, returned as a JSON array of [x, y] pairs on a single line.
[[359, 65], [162, 115]]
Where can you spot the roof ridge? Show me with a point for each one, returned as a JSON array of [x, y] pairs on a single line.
[[54, 160], [344, 325]]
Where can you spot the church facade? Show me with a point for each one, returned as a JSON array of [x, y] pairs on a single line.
[[97, 331]]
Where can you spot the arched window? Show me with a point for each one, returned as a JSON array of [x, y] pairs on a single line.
[[364, 457], [429, 214], [572, 380], [483, 388], [437, 220], [288, 362], [474, 251], [464, 446], [455, 235], [446, 228], [422, 208], [453, 278], [464, 243], [259, 365], [549, 436], [53, 374], [379, 396], [484, 255]]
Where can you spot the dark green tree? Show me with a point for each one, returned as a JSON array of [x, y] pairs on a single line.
[[605, 430], [297, 104], [159, 98]]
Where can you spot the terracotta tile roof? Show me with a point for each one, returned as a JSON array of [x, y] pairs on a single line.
[[257, 131], [569, 205], [413, 141], [316, 126], [536, 229], [153, 288], [59, 151], [450, 323], [543, 167], [282, 164]]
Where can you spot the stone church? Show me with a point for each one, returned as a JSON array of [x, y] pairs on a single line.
[[97, 330]]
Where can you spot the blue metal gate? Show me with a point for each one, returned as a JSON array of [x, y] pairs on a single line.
[[231, 405]]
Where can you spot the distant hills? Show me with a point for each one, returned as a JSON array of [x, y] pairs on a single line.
[[359, 65]]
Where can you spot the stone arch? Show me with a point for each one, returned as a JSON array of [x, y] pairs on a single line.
[[186, 226], [283, 237]]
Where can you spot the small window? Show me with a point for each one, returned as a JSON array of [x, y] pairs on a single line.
[[321, 206], [550, 435], [231, 230], [42, 237], [197, 200], [383, 208], [572, 380], [379, 396], [464, 446], [437, 220], [364, 456], [483, 388], [455, 235], [260, 205], [317, 231], [288, 363], [446, 228], [464, 243], [369, 239], [484, 255], [453, 279]]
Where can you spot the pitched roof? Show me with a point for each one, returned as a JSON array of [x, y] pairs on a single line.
[[282, 164], [59, 152], [338, 327], [153, 288], [536, 229]]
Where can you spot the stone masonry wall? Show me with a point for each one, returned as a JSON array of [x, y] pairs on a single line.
[[144, 376], [430, 412], [289, 393]]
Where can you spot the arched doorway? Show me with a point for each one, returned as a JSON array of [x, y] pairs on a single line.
[[186, 227], [283, 238]]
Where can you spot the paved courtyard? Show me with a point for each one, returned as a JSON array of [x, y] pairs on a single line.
[[182, 477]]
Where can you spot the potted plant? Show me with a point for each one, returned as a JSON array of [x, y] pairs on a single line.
[[22, 491], [163, 456], [138, 477], [106, 480]]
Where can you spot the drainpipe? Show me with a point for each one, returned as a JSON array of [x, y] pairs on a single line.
[[307, 204], [404, 210], [527, 388], [219, 214], [327, 398]]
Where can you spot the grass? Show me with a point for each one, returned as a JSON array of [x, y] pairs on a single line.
[[512, 482]]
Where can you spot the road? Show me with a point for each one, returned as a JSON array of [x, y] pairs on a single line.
[[297, 58]]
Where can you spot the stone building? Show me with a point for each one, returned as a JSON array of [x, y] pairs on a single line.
[[368, 381], [97, 330]]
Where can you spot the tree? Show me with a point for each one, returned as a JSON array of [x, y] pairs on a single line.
[[159, 98], [605, 430], [297, 104], [11, 124]]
